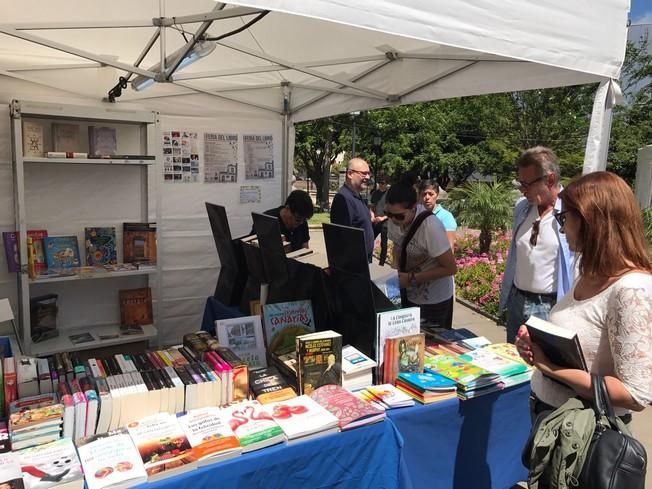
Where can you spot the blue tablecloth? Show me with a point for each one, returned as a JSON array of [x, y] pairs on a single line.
[[369, 456], [213, 310], [465, 445]]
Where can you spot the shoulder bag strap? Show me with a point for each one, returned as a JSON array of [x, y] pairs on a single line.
[[408, 237], [601, 402]]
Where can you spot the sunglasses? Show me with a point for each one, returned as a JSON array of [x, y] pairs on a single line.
[[535, 232], [525, 185], [560, 217], [399, 217]]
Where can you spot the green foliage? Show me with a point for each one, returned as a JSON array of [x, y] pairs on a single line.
[[647, 224], [487, 207]]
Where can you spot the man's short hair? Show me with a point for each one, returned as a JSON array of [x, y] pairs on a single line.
[[544, 159], [300, 204]]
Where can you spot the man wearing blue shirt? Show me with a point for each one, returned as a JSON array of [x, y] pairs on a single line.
[[539, 268], [428, 194]]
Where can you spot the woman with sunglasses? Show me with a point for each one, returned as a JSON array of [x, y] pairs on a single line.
[[610, 304], [429, 264]]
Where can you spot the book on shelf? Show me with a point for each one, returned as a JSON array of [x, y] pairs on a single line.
[[210, 436], [253, 425], [244, 336], [123, 157], [66, 154], [395, 323], [12, 249], [302, 417], [283, 322], [350, 410], [139, 242], [110, 460], [100, 246], [80, 338], [61, 252], [319, 360], [561, 345], [268, 385], [403, 354], [53, 464], [65, 137], [43, 317], [135, 310], [32, 139], [102, 141]]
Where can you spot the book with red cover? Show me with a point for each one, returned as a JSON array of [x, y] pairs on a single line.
[[12, 249], [135, 310], [406, 355], [346, 407]]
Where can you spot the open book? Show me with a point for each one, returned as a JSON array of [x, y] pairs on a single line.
[[561, 345]]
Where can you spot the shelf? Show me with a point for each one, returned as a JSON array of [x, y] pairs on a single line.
[[126, 273], [63, 343], [89, 161]]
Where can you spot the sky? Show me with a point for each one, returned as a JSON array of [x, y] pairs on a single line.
[[641, 11]]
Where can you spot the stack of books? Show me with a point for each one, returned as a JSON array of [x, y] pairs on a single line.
[[427, 387], [386, 395], [357, 368], [34, 423], [471, 380]]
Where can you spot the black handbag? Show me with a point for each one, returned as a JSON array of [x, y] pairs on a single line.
[[614, 459]]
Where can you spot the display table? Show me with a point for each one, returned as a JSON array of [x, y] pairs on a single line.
[[369, 456], [464, 445]]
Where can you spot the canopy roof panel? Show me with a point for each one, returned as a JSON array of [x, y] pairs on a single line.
[[314, 58]]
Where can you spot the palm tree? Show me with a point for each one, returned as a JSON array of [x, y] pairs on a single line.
[[485, 206]]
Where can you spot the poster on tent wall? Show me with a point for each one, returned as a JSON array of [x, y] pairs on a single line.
[[258, 156], [180, 157], [220, 158]]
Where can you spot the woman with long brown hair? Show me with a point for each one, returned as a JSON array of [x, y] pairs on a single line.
[[610, 304]]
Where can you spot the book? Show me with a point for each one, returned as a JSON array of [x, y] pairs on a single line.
[[61, 252], [407, 353], [135, 310], [210, 436], [493, 362], [465, 374], [43, 317], [32, 139], [428, 381], [389, 396], [53, 464], [283, 322], [395, 323], [10, 474], [244, 336], [254, 426], [139, 242], [507, 350], [163, 447], [65, 137], [346, 407], [268, 385], [301, 417], [102, 141], [100, 246], [110, 460], [319, 360], [27, 376], [37, 418], [80, 338], [561, 345], [10, 242], [357, 368], [12, 249]]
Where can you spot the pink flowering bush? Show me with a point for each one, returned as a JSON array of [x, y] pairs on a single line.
[[479, 275]]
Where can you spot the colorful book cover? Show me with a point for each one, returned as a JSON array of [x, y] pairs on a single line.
[[464, 373], [319, 360], [407, 354], [139, 242], [283, 322], [245, 337], [10, 474], [301, 416], [254, 427], [395, 323], [50, 465], [493, 362], [268, 385], [507, 350], [10, 241], [61, 252], [390, 396], [100, 246], [428, 381], [346, 407], [12, 250], [209, 434]]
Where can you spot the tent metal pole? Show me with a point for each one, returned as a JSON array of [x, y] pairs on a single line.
[[161, 35], [78, 66], [225, 97], [438, 77], [285, 143]]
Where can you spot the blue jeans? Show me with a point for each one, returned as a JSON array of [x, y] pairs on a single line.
[[520, 307]]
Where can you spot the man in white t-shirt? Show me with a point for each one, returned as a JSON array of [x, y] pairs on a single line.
[[539, 269]]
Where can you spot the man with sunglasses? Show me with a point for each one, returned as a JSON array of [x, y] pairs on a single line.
[[293, 218], [539, 268], [349, 208]]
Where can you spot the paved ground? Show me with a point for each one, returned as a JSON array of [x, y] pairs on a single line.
[[463, 317]]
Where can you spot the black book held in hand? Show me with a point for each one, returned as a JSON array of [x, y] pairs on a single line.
[[562, 346]]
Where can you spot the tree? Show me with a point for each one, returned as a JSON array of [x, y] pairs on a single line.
[[487, 207]]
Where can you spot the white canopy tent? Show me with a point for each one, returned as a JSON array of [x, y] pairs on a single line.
[[310, 59], [304, 59]]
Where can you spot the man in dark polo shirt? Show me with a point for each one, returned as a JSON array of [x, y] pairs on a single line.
[[349, 208], [293, 218]]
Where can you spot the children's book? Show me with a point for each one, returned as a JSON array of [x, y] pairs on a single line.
[[467, 375], [61, 252], [493, 362], [285, 321], [100, 246], [406, 355], [428, 381], [110, 460], [51, 465], [507, 350]]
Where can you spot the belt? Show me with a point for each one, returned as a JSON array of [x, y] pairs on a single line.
[[537, 297]]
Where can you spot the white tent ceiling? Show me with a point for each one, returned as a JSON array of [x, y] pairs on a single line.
[[323, 56]]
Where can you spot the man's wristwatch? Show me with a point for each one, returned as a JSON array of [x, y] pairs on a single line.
[[412, 279]]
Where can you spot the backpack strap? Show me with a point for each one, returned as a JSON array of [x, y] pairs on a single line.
[[408, 237]]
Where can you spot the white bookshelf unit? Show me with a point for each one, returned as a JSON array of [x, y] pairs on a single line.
[[65, 195]]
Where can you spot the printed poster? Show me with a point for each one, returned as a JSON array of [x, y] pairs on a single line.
[[249, 194], [258, 156], [180, 157], [220, 158]]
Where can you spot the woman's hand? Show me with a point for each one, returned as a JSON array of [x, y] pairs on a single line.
[[403, 279], [531, 352]]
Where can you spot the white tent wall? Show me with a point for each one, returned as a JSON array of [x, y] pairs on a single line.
[[189, 262]]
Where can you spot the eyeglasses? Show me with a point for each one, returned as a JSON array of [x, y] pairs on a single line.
[[525, 185], [560, 217], [535, 232], [365, 173], [398, 216]]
